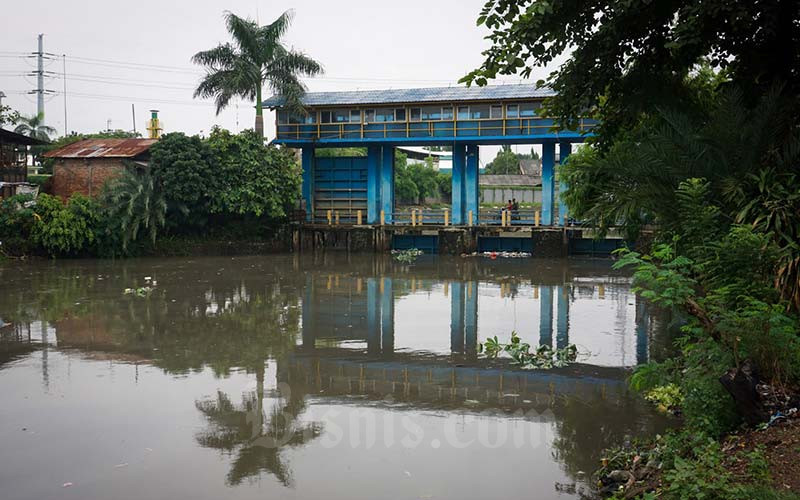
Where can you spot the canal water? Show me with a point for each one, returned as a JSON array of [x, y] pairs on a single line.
[[302, 377]]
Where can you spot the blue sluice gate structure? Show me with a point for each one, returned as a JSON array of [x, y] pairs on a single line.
[[460, 117]]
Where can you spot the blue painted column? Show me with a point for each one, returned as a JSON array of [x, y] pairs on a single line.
[[564, 150], [387, 317], [546, 315], [387, 182], [562, 324], [457, 317], [642, 339], [459, 166], [308, 180], [471, 319], [471, 184], [373, 317], [548, 182], [373, 184]]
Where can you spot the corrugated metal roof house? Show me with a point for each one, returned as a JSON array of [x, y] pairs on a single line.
[[85, 166]]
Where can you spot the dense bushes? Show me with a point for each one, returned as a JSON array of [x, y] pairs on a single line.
[[192, 187]]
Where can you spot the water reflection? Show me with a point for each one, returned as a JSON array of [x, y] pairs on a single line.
[[331, 345]]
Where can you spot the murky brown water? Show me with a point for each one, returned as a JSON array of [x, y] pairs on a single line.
[[312, 377]]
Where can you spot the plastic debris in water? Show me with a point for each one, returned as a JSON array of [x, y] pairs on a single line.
[[66, 485]]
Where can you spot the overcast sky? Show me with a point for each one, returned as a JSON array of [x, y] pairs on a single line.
[[123, 53]]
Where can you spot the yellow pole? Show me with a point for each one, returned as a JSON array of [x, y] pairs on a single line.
[[337, 217], [502, 218], [383, 218], [329, 215], [358, 217], [470, 218], [536, 218], [446, 219], [420, 217]]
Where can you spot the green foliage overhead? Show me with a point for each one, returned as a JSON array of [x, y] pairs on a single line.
[[625, 58], [257, 57], [253, 179]]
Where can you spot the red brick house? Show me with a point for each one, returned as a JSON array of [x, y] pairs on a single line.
[[85, 166]]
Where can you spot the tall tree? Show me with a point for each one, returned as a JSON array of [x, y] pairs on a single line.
[[257, 57]]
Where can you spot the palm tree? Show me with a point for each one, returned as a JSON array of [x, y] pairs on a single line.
[[33, 126], [136, 204], [255, 58]]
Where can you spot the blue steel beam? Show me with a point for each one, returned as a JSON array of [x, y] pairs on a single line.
[[471, 188], [458, 183], [373, 184], [387, 182], [308, 180], [548, 182], [564, 150], [546, 315]]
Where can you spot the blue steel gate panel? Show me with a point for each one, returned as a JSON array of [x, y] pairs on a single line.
[[340, 185]]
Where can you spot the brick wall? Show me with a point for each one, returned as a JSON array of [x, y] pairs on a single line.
[[84, 176]]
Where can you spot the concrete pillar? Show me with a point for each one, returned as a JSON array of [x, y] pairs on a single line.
[[459, 166], [471, 189], [387, 317], [546, 315], [308, 180], [564, 150], [457, 317], [373, 317], [373, 184], [548, 182], [471, 319], [387, 182], [562, 324]]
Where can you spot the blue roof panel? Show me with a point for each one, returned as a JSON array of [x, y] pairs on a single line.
[[431, 94]]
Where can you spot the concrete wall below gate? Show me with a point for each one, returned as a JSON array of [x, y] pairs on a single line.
[[84, 175], [546, 242]]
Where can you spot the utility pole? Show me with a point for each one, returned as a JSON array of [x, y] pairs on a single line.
[[133, 115], [40, 78], [64, 62]]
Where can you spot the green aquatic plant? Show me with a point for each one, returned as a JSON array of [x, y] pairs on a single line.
[[406, 256], [543, 357]]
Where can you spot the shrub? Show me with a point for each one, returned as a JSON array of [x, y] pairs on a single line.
[[16, 216], [253, 179], [65, 230], [182, 167]]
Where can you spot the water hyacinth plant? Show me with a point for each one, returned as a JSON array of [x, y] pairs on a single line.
[[542, 358]]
